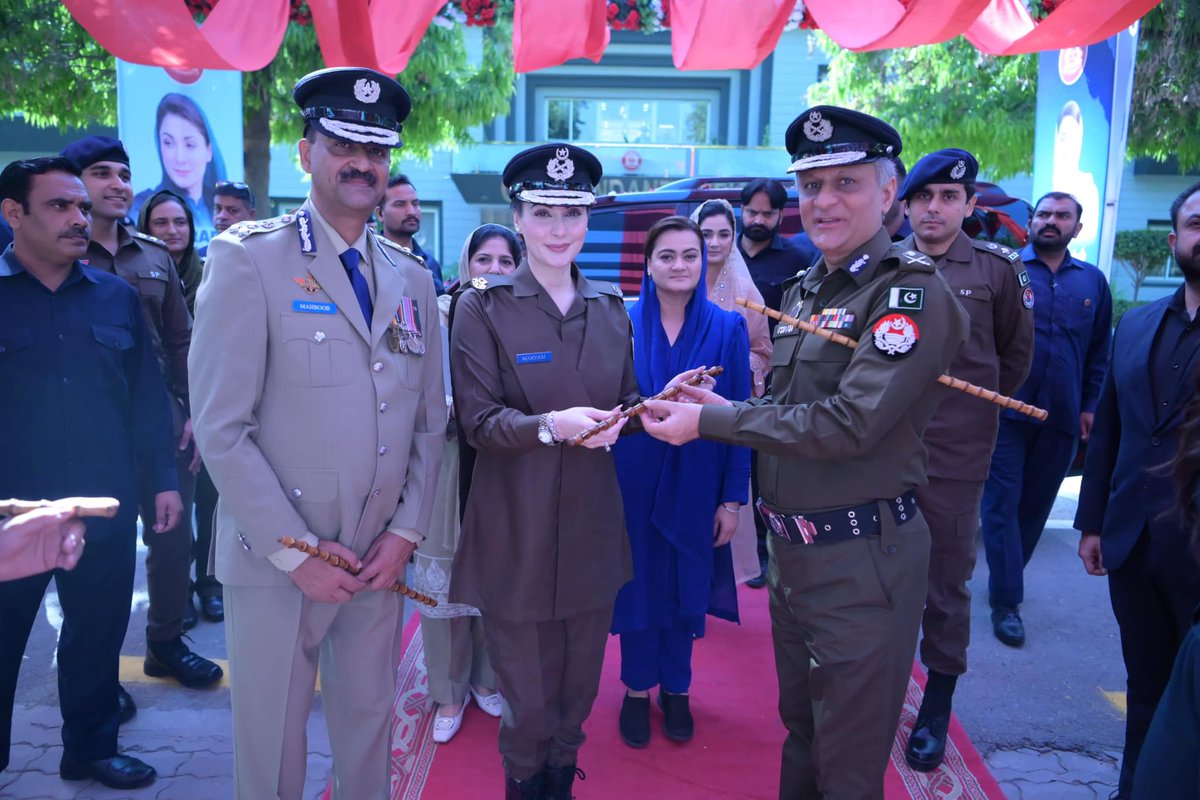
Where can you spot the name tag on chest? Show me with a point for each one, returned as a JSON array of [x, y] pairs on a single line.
[[535, 358], [309, 307]]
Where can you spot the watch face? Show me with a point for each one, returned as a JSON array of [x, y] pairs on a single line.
[[544, 436]]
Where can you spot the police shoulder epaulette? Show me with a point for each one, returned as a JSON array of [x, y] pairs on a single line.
[[910, 259], [485, 282], [792, 281], [389, 243], [145, 237], [999, 250], [612, 289], [240, 230]]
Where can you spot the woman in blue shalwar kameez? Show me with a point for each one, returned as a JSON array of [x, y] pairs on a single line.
[[681, 503]]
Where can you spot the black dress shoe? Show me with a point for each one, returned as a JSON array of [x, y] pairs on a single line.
[[559, 781], [1007, 625], [126, 708], [678, 725], [118, 772], [635, 721], [926, 746], [176, 660], [213, 608], [531, 789], [189, 614], [760, 580]]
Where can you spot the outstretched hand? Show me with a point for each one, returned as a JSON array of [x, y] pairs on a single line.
[[671, 422]]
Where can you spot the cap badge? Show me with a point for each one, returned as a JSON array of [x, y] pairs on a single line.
[[366, 91], [561, 166], [817, 128], [958, 170]]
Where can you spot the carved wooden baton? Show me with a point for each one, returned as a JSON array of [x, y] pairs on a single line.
[[945, 380], [637, 408], [79, 506], [341, 563]]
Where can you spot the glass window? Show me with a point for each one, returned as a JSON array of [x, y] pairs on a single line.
[[629, 120]]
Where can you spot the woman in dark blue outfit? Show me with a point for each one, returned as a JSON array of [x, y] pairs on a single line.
[[681, 503]]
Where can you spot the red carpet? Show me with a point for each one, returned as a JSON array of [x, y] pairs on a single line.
[[735, 753]]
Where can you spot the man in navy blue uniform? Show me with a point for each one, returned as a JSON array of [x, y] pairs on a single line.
[[84, 407], [1072, 316], [1132, 526]]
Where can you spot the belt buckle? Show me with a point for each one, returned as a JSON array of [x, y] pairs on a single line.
[[807, 530], [775, 521]]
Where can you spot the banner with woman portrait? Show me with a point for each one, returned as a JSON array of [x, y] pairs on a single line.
[[183, 132]]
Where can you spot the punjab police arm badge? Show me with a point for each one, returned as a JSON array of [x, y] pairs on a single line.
[[1027, 297], [895, 335]]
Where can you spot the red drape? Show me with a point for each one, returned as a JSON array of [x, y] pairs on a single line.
[[718, 34], [547, 33], [705, 34], [381, 34], [239, 34]]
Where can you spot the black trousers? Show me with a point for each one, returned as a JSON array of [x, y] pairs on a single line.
[[1153, 594], [95, 599]]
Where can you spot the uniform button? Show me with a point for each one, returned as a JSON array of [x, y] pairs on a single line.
[[2, 346], [375, 493], [891, 548], [1164, 403], [1154, 440], [1174, 366], [377, 366], [62, 338], [296, 492], [383, 450], [66, 380], [383, 407]]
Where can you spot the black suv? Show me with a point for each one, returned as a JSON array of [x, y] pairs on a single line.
[[618, 224]]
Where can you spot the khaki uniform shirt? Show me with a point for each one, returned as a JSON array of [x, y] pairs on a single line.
[[309, 421], [543, 535], [843, 427], [145, 264], [989, 281]]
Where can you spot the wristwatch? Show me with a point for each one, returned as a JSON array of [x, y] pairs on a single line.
[[545, 432]]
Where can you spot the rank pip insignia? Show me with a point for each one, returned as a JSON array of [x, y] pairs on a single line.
[[561, 166], [914, 257], [905, 298], [817, 128], [895, 335], [1023, 278], [308, 283]]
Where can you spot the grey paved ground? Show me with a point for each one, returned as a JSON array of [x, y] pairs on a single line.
[[1039, 715]]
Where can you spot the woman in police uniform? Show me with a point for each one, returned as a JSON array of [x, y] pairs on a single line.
[[536, 357]]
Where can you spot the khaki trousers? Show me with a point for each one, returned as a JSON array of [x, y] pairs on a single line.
[[276, 638], [951, 508], [549, 675], [844, 621]]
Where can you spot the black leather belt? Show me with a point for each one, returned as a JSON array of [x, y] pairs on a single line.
[[838, 525]]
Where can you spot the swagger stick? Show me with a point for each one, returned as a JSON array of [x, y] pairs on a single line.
[[341, 563], [79, 506], [945, 380], [637, 408]]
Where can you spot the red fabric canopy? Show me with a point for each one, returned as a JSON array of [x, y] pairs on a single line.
[[547, 33], [705, 34]]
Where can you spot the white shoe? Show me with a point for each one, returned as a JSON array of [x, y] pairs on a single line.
[[444, 728], [492, 704]]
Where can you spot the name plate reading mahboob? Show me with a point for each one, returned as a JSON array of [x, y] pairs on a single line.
[[309, 307], [535, 358]]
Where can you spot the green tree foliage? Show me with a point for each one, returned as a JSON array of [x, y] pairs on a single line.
[[943, 95], [1165, 113], [951, 95], [1142, 253]]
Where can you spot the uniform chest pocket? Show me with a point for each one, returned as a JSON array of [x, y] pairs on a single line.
[[816, 348], [113, 336], [974, 294], [783, 349], [319, 349], [152, 283], [14, 341]]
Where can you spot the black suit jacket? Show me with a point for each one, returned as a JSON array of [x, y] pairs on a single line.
[[1128, 485]]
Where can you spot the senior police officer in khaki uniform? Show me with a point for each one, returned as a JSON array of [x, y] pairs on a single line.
[[317, 387], [145, 264], [840, 457], [990, 283]]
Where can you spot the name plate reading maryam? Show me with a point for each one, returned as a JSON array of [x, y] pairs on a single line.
[[309, 307], [535, 358]]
